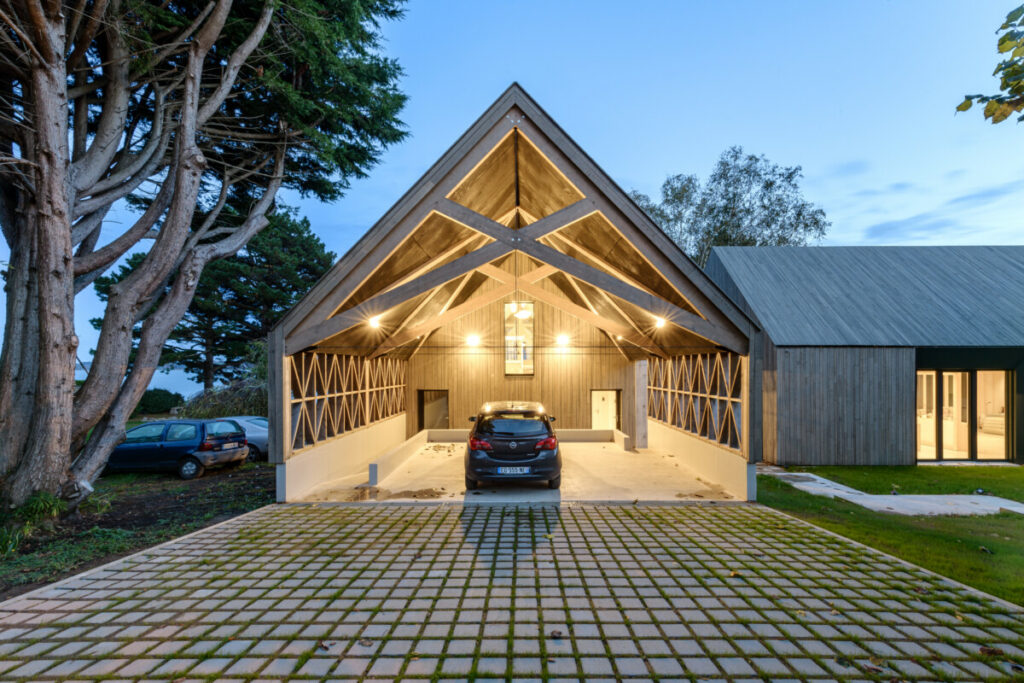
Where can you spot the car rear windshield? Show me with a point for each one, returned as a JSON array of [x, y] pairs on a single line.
[[512, 424], [223, 428]]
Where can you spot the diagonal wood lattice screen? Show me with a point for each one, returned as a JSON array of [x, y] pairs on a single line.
[[333, 394], [698, 393]]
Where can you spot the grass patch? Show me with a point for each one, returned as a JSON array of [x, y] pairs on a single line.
[[128, 512], [1007, 482], [950, 546]]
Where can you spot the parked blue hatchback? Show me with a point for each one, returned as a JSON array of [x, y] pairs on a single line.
[[185, 446]]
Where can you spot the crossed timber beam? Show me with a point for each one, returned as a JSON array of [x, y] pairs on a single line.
[[525, 240], [507, 241], [508, 286]]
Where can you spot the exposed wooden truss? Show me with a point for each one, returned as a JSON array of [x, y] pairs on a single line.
[[699, 393], [515, 183]]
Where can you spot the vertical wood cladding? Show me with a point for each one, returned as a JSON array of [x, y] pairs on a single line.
[[563, 377], [845, 406]]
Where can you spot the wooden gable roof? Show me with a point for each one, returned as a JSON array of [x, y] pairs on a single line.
[[516, 204]]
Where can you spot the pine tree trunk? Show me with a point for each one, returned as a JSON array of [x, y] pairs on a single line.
[[37, 364]]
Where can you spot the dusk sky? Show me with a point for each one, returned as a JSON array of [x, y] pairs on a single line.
[[860, 94]]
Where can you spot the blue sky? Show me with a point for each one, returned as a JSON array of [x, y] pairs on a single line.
[[860, 94]]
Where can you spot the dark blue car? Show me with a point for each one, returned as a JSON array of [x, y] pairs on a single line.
[[185, 446]]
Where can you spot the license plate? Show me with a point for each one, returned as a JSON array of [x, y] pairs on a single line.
[[513, 470], [232, 444]]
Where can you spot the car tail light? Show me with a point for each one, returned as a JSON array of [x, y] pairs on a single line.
[[245, 442], [206, 446], [476, 444], [548, 444]]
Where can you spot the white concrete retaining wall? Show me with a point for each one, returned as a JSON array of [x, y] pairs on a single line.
[[713, 463], [566, 435], [345, 456], [390, 461]]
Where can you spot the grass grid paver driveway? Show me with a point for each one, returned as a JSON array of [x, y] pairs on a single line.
[[571, 592]]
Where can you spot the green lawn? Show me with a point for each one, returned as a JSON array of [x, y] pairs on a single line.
[[1007, 482], [951, 546]]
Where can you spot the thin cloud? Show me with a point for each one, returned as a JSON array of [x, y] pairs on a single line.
[[928, 224], [986, 195], [849, 168], [891, 188]]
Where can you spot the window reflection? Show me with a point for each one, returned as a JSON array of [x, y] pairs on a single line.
[[991, 415], [925, 415], [519, 338], [955, 410]]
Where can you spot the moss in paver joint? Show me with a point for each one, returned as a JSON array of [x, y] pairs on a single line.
[[633, 569]]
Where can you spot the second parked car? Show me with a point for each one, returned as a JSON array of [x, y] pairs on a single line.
[[255, 433], [187, 447]]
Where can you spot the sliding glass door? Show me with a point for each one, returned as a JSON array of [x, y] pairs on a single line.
[[961, 414]]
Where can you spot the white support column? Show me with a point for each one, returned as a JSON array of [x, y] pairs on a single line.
[[279, 400], [640, 403]]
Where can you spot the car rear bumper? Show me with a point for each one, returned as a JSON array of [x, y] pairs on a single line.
[[545, 466], [214, 458]]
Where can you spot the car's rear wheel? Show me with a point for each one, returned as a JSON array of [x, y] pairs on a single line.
[[470, 484], [189, 468], [555, 483], [254, 455]]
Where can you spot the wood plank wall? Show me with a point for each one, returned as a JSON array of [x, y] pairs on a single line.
[[770, 403], [845, 406], [562, 379]]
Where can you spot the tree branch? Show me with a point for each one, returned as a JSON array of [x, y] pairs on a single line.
[[110, 128], [235, 63], [103, 258]]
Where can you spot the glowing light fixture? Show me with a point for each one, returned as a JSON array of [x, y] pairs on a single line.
[[618, 337], [659, 322], [562, 340], [473, 340], [374, 321], [523, 313]]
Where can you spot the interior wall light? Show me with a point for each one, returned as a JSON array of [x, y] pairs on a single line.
[[659, 322], [562, 340], [473, 340]]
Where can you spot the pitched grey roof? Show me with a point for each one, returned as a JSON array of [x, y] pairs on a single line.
[[878, 296]]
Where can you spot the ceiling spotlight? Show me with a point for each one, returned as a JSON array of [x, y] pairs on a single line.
[[374, 321], [562, 340], [473, 340], [659, 322], [618, 337]]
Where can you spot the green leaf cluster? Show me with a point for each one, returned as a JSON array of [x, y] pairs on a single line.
[[1010, 99]]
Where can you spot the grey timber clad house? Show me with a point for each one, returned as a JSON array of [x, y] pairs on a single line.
[[885, 355], [516, 269]]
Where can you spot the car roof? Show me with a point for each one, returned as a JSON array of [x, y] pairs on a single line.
[[512, 406], [188, 421], [244, 417]]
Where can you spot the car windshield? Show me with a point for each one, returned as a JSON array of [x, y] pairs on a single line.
[[512, 424]]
